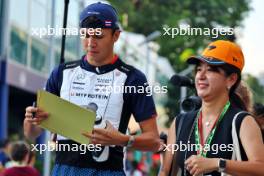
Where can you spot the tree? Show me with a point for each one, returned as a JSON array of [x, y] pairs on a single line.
[[146, 16], [256, 88]]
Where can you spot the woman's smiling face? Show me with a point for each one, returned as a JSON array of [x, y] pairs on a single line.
[[210, 81]]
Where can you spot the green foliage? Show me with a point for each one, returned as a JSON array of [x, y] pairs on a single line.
[[146, 16], [256, 88]]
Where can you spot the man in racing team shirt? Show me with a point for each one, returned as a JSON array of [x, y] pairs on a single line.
[[74, 81]]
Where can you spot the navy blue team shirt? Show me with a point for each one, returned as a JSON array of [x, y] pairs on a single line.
[[83, 84]]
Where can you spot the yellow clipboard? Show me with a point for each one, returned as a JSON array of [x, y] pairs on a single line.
[[65, 118]]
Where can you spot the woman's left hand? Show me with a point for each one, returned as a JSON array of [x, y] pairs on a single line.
[[198, 165], [107, 136]]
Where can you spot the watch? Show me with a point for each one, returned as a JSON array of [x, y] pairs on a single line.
[[130, 141], [221, 165]]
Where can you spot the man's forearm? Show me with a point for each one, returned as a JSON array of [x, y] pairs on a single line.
[[146, 142]]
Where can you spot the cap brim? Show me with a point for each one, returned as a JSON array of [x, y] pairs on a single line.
[[211, 61]]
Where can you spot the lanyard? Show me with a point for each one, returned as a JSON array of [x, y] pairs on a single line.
[[199, 132]]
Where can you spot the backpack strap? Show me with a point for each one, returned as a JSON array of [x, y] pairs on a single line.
[[236, 123], [179, 122], [178, 126]]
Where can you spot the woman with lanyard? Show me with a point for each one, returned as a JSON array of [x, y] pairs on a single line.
[[205, 144]]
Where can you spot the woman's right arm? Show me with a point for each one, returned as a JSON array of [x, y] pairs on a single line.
[[31, 128], [168, 154]]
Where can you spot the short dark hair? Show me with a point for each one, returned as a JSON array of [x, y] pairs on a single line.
[[94, 22], [19, 150]]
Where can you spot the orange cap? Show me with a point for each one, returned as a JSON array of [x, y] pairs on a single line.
[[221, 52]]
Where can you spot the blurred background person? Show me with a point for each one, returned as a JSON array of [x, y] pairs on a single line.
[[143, 164], [18, 166], [32, 158], [135, 169], [1, 168], [4, 152]]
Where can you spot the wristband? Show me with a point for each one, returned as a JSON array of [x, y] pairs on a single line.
[[130, 141]]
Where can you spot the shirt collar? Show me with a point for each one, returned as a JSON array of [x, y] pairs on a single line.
[[100, 69]]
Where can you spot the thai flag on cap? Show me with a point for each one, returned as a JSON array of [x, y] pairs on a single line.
[[108, 23]]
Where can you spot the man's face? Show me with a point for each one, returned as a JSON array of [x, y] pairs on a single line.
[[100, 47]]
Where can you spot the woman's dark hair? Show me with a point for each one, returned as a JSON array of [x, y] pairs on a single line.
[[234, 97], [19, 150]]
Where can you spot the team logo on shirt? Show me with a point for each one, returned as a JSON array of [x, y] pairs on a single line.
[[80, 76]]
